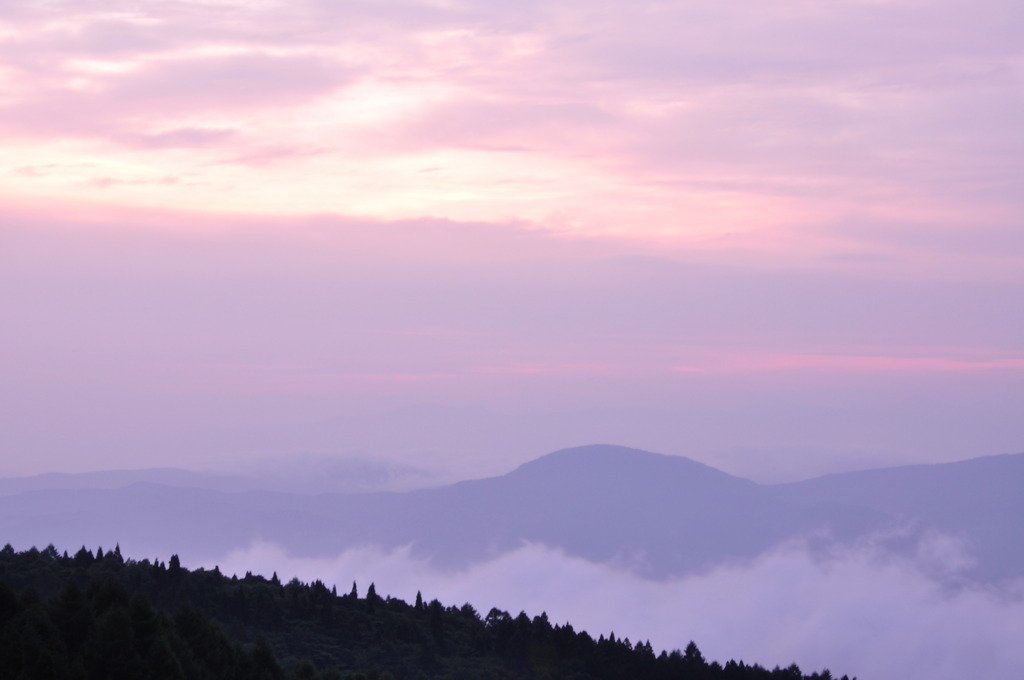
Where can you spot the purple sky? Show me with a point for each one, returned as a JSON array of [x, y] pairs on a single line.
[[783, 239]]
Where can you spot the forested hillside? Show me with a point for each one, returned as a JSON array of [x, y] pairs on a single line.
[[99, 615]]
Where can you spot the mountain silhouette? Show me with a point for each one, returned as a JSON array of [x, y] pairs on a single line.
[[978, 502], [656, 515]]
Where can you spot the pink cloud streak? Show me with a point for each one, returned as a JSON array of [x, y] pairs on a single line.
[[748, 362]]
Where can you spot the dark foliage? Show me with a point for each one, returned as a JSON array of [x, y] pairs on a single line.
[[98, 615]]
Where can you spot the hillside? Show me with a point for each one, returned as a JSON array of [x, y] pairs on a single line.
[[97, 615]]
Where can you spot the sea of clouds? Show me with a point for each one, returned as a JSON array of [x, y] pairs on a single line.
[[858, 611]]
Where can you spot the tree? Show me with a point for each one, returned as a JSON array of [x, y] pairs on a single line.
[[371, 598], [83, 558], [693, 656]]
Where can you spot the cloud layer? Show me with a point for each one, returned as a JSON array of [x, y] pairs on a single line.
[[857, 612], [688, 228], [708, 123]]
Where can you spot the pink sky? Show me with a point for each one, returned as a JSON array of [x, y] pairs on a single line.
[[702, 228]]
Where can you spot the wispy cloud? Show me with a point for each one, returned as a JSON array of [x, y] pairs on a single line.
[[680, 119], [917, 360], [682, 207]]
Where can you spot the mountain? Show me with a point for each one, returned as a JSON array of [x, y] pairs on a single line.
[[979, 502], [305, 473], [656, 515], [116, 479]]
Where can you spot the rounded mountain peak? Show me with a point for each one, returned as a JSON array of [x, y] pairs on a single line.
[[618, 464]]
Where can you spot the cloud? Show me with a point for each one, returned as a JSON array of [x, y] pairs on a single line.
[[183, 137], [227, 82], [681, 118], [125, 107], [834, 186], [857, 612]]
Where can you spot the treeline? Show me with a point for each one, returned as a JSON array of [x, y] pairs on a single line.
[[99, 615]]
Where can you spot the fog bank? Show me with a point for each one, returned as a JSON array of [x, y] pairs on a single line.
[[857, 612]]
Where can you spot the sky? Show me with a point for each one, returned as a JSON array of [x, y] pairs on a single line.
[[781, 238]]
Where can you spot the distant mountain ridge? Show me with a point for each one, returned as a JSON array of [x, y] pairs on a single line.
[[978, 501], [308, 474], [656, 515], [115, 479]]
